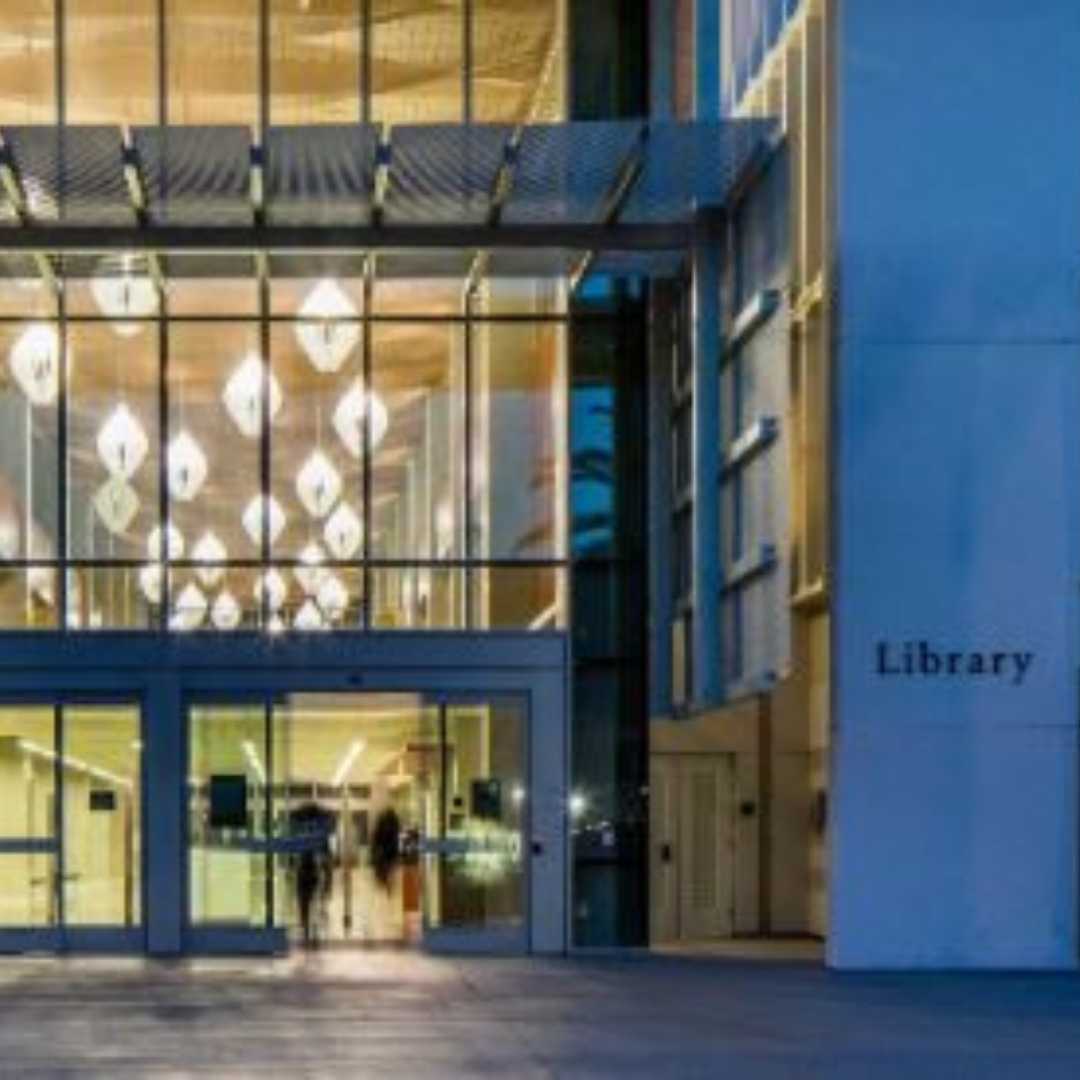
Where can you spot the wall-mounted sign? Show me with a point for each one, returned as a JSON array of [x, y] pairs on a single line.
[[926, 660]]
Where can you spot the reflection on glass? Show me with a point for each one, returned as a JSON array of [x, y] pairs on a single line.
[[518, 598], [113, 440], [28, 73], [27, 812], [102, 840], [110, 598], [519, 61], [212, 63], [418, 598], [518, 445], [416, 56], [227, 791], [484, 798], [314, 62], [418, 469], [111, 61]]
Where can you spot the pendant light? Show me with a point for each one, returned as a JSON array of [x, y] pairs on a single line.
[[311, 573], [275, 624], [210, 551], [349, 414], [121, 443], [343, 532], [124, 296], [34, 361], [174, 543], [187, 467], [309, 617], [191, 608], [152, 582], [258, 508], [116, 504], [318, 484], [243, 395], [272, 588], [327, 331], [225, 614], [333, 597]]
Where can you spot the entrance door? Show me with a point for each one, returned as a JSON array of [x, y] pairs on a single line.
[[70, 827], [358, 818]]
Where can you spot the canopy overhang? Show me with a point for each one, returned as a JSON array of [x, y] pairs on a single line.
[[620, 186]]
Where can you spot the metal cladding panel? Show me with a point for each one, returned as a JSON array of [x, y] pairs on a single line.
[[566, 172], [320, 175], [444, 174], [690, 165], [196, 175], [72, 175]]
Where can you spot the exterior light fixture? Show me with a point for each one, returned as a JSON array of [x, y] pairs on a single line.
[[34, 361], [260, 507], [191, 607], [343, 532], [578, 805], [272, 588], [124, 296], [152, 581], [116, 504], [309, 617], [318, 484], [211, 551], [349, 418], [122, 443], [310, 574], [174, 543], [187, 467], [225, 613], [327, 332], [243, 395], [332, 598]]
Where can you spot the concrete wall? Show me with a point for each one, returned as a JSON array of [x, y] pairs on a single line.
[[954, 824]]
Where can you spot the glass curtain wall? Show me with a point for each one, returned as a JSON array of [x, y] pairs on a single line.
[[308, 461]]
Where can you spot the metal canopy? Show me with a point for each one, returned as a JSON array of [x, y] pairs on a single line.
[[621, 186]]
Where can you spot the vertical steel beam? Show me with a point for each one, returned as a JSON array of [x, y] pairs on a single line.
[[707, 65]]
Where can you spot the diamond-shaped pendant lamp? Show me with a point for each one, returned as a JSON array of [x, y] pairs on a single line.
[[225, 614], [333, 597], [322, 334], [318, 484], [343, 532], [34, 361], [122, 443], [187, 467], [243, 395], [116, 504], [255, 511], [210, 550], [348, 418]]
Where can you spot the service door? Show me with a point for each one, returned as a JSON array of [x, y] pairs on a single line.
[[706, 859]]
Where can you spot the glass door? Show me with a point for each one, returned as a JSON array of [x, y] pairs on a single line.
[[70, 826]]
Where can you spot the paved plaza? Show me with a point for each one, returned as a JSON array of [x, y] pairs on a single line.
[[404, 1015]]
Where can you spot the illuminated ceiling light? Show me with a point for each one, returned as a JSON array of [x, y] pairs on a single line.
[[191, 608], [210, 550], [349, 418], [174, 543], [152, 582], [116, 504], [272, 588], [187, 467], [343, 532], [225, 613], [263, 507], [276, 624], [311, 574], [122, 443], [347, 762], [333, 597], [124, 296], [309, 617], [322, 334], [318, 484], [34, 361], [243, 395]]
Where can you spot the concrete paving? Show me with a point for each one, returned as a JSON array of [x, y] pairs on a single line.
[[405, 1015]]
